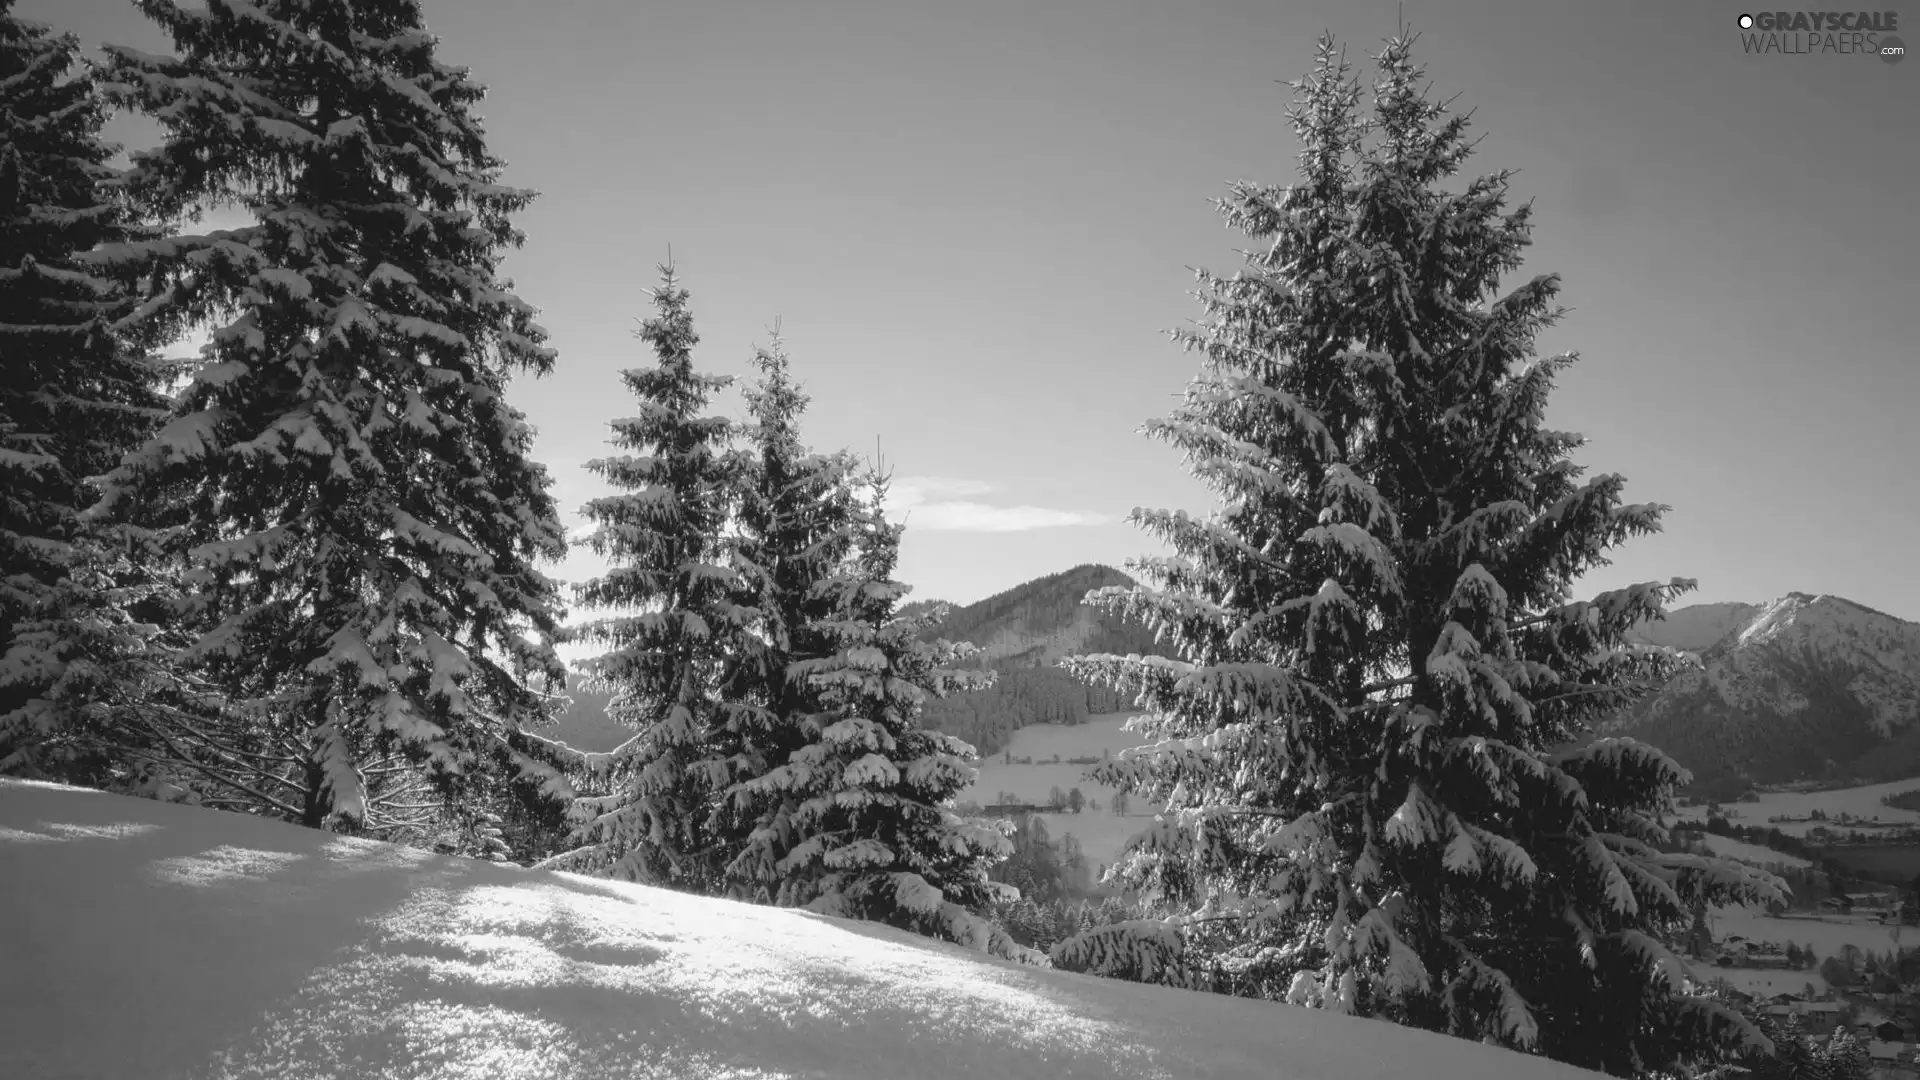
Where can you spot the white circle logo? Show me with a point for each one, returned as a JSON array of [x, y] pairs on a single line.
[[1746, 22]]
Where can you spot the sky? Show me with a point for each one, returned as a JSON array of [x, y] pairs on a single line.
[[975, 224]]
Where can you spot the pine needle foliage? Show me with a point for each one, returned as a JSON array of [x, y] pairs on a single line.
[[1377, 687], [347, 489]]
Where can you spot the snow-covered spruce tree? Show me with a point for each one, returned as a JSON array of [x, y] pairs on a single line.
[[1376, 666], [360, 519], [650, 809], [1792, 1056], [1845, 1058], [871, 833], [76, 392], [795, 534]]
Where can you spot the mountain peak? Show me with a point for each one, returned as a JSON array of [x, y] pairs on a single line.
[[1819, 617], [1831, 600], [1807, 686], [1045, 614]]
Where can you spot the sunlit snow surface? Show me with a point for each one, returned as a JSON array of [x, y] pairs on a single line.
[[146, 940]]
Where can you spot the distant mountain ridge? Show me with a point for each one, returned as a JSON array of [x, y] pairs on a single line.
[[1804, 688], [1041, 621], [1022, 634], [919, 607], [1695, 628]]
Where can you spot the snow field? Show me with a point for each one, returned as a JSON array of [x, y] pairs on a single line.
[[1861, 802], [1827, 936], [1752, 853], [1762, 982], [161, 941], [1101, 834], [1091, 739]]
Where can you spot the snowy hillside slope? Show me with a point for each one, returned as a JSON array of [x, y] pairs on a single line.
[[1696, 627], [1827, 633], [1806, 687], [158, 941]]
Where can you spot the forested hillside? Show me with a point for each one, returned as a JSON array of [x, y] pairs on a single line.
[[1039, 612], [916, 608], [1022, 634]]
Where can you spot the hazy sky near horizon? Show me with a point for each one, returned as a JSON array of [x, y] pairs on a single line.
[[974, 222]]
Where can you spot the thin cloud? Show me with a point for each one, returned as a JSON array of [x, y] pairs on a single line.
[[938, 503], [924, 489]]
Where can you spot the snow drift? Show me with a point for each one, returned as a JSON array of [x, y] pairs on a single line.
[[145, 939]]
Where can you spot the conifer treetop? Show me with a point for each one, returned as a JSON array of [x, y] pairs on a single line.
[[336, 125], [678, 618], [776, 401], [861, 822], [663, 531]]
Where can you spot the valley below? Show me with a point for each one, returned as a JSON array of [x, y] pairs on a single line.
[[1051, 748], [1851, 827], [1796, 717]]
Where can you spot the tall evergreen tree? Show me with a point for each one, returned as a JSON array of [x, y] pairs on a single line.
[[871, 834], [796, 514], [360, 521], [1376, 665], [1792, 1057], [651, 808], [76, 392]]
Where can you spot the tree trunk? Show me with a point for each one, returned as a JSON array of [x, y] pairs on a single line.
[[315, 804]]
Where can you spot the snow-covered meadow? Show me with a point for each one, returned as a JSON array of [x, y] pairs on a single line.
[[1102, 835], [1828, 935], [156, 941], [1753, 854], [1860, 802], [1766, 982]]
